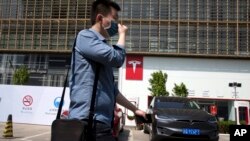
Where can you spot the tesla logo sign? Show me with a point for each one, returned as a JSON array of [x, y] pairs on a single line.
[[213, 110], [134, 67]]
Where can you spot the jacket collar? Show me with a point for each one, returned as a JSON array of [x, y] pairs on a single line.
[[100, 37]]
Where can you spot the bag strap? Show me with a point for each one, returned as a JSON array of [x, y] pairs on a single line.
[[64, 87], [92, 105]]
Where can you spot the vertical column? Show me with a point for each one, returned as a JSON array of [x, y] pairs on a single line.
[[237, 33], [1, 28], [67, 26], [150, 26], [25, 23], [32, 35], [217, 27], [198, 26], [58, 25], [207, 42], [227, 40], [248, 27], [17, 25], [50, 22], [85, 13], [41, 24], [178, 27], [130, 25], [159, 25], [77, 14], [188, 29], [169, 2], [140, 42], [1, 32], [9, 23]]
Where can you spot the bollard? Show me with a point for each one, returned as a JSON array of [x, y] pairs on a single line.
[[8, 131]]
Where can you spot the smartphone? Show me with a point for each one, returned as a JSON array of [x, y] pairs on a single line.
[[140, 119]]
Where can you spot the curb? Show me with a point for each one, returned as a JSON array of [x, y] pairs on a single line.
[[222, 134]]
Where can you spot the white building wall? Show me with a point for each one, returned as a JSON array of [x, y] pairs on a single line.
[[205, 78]]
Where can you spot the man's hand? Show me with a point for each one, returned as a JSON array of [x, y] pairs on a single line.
[[141, 113], [122, 29]]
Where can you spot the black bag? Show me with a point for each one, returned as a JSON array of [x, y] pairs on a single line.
[[74, 129]]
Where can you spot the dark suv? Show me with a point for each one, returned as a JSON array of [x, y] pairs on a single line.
[[176, 117]]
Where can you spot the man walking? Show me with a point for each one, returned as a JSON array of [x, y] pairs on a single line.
[[91, 49]]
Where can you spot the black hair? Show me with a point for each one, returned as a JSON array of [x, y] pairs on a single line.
[[102, 7], [115, 5]]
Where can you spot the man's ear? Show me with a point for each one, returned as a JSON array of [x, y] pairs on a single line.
[[99, 18]]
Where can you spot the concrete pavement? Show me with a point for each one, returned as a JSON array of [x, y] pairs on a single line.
[[28, 132]]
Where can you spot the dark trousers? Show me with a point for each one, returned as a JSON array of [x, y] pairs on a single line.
[[101, 132]]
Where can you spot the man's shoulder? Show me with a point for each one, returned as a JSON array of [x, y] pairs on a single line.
[[90, 33], [86, 32]]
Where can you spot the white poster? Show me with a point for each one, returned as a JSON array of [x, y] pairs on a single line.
[[29, 104]]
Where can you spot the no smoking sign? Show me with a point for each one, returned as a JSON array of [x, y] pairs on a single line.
[[27, 100]]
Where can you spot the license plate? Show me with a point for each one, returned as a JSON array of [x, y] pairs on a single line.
[[189, 131]]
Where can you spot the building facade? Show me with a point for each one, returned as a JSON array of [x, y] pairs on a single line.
[[40, 34]]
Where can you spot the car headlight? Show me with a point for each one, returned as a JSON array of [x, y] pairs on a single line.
[[160, 117], [212, 120]]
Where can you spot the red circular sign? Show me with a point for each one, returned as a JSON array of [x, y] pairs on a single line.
[[27, 100]]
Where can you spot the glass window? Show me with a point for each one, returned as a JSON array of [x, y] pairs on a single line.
[[202, 9], [184, 10], [222, 39], [35, 80], [173, 9], [172, 40], [212, 40], [232, 10], [136, 9], [59, 62], [163, 38], [192, 46], [144, 38], [243, 40], [193, 9], [164, 9], [222, 10], [243, 115], [212, 10], [243, 10], [177, 105], [1, 62], [1, 80], [232, 39], [183, 39], [154, 9]]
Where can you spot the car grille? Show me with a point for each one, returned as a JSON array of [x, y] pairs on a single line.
[[180, 124], [190, 136], [194, 121]]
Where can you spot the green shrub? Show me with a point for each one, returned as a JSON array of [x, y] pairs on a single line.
[[243, 122], [224, 126]]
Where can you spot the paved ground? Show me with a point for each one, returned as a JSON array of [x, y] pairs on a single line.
[[27, 132]]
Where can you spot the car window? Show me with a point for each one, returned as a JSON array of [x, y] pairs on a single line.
[[192, 105], [177, 105]]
